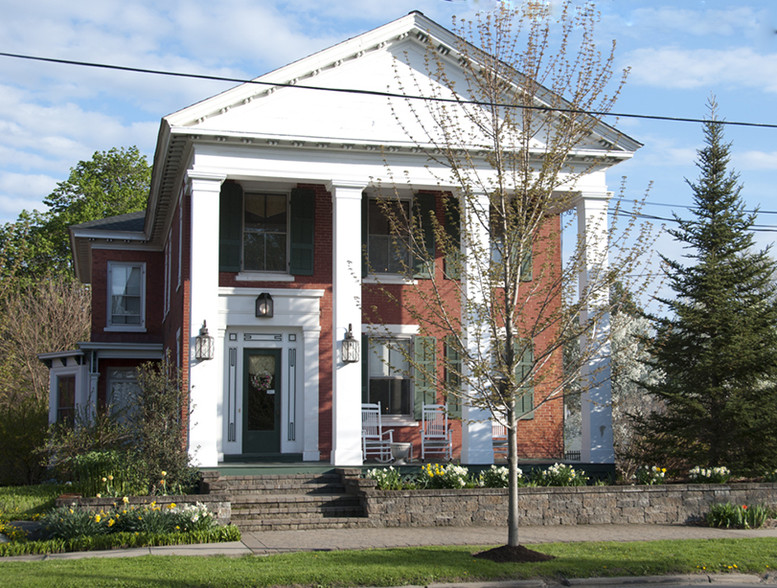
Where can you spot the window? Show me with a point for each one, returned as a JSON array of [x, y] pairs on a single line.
[[387, 254], [66, 399], [126, 295], [265, 232], [122, 392], [389, 375]]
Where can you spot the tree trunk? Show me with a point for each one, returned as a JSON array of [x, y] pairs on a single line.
[[512, 458]]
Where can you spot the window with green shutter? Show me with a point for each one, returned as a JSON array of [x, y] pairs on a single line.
[[230, 226], [266, 232], [425, 373], [452, 377], [525, 401], [301, 232]]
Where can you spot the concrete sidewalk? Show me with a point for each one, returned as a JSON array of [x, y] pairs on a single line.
[[270, 542]]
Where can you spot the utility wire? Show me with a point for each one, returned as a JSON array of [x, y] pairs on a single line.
[[687, 207], [216, 78]]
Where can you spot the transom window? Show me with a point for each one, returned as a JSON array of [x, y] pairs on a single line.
[[389, 375], [387, 255], [265, 230], [126, 295]]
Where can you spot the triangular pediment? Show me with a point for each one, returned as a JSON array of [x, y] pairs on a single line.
[[350, 106]]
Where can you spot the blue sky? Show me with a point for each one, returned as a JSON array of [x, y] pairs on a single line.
[[52, 116]]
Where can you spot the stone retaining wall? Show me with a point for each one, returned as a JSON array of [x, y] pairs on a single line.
[[665, 504], [218, 504]]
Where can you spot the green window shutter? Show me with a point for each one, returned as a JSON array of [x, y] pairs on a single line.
[[230, 226], [301, 232], [365, 368], [424, 207], [526, 267], [365, 235], [525, 404], [453, 377], [453, 230], [424, 380]]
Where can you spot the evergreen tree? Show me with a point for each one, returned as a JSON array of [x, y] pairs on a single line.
[[717, 348]]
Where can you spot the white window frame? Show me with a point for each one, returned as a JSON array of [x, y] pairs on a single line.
[[141, 327], [394, 332]]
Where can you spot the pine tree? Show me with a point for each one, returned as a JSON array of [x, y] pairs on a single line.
[[717, 347]]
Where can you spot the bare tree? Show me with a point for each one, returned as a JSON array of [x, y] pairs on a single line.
[[509, 122]]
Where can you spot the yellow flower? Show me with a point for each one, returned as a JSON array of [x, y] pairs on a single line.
[[164, 473], [171, 505], [125, 500], [105, 479], [97, 518], [98, 495], [111, 522], [110, 478]]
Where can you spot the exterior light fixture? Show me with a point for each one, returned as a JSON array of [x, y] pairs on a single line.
[[264, 305], [203, 344], [350, 347]]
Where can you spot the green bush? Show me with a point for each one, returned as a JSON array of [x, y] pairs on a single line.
[[734, 516], [771, 476], [23, 427]]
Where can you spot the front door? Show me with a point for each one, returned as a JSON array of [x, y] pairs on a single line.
[[262, 401]]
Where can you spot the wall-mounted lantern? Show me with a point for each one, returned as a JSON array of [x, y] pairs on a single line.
[[350, 347], [264, 305], [203, 344]]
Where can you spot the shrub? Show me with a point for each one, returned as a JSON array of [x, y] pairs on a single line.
[[716, 475], [649, 475], [559, 475], [23, 426], [771, 476], [734, 516]]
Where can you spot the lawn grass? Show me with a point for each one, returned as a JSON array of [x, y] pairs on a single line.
[[393, 567], [22, 503]]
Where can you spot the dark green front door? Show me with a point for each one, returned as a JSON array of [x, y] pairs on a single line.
[[262, 401]]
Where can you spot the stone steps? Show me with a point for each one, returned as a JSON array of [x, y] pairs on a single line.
[[289, 502]]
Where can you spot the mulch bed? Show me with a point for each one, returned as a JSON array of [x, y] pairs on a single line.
[[519, 554]]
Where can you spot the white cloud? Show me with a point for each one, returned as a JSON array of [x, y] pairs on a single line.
[[755, 160], [679, 68]]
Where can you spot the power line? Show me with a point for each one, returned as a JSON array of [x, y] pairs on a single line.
[[687, 207], [630, 213], [379, 93]]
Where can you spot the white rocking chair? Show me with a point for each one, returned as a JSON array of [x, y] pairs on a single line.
[[376, 443], [435, 433]]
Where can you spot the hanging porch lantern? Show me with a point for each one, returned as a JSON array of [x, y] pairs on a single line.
[[350, 347], [203, 344], [264, 305]]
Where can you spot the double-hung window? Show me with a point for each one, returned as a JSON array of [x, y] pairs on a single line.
[[66, 399], [387, 252], [265, 231], [389, 375], [126, 295]]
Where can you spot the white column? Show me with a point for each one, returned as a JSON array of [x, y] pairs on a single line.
[[596, 401], [346, 301], [205, 377], [476, 438], [310, 451]]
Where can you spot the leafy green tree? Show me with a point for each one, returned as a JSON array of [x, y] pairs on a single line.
[[717, 347], [113, 182]]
